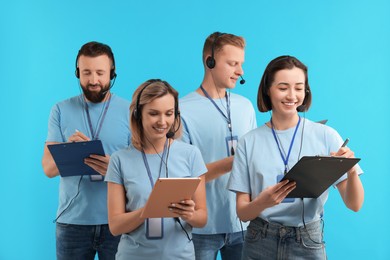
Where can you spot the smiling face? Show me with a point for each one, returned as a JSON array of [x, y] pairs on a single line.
[[287, 91], [228, 66], [157, 118]]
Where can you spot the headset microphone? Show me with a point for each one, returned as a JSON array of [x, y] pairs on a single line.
[[173, 131], [111, 85], [170, 134], [301, 108], [242, 81]]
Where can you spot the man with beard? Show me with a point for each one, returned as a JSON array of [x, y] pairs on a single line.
[[97, 114]]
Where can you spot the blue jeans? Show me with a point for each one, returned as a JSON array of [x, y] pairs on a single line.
[[265, 240], [84, 241], [207, 246]]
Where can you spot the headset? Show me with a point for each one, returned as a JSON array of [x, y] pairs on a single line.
[[210, 61], [137, 110], [109, 53]]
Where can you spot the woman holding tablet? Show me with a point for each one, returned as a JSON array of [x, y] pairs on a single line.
[[132, 172], [280, 227]]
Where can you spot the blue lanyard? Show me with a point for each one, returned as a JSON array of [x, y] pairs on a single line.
[[95, 136], [285, 160], [147, 164], [228, 118]]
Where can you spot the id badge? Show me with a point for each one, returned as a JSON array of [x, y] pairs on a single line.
[[231, 144], [154, 228], [96, 177], [286, 200]]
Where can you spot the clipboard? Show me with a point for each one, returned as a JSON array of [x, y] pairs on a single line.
[[315, 174], [324, 121], [166, 191], [69, 157]]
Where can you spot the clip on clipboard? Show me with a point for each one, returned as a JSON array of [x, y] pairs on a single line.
[[324, 121], [167, 191], [315, 174], [69, 157]]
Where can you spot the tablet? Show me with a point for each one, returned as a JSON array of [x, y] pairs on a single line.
[[315, 174], [167, 191], [69, 157]]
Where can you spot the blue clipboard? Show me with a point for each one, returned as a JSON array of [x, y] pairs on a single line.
[[69, 157]]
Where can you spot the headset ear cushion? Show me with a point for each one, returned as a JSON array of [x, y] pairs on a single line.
[[210, 62], [177, 112], [112, 74], [77, 73]]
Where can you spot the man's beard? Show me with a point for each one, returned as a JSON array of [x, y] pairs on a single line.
[[93, 96]]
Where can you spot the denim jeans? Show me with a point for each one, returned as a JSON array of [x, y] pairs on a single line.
[[82, 242], [229, 245], [265, 240]]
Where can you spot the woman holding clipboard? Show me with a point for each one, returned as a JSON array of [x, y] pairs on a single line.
[[132, 172], [280, 227]]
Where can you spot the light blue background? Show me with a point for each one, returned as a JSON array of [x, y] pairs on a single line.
[[346, 45]]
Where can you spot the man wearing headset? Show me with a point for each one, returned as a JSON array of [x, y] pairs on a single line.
[[97, 114], [213, 120]]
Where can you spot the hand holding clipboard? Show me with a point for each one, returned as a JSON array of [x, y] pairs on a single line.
[[315, 174], [70, 157], [97, 162]]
